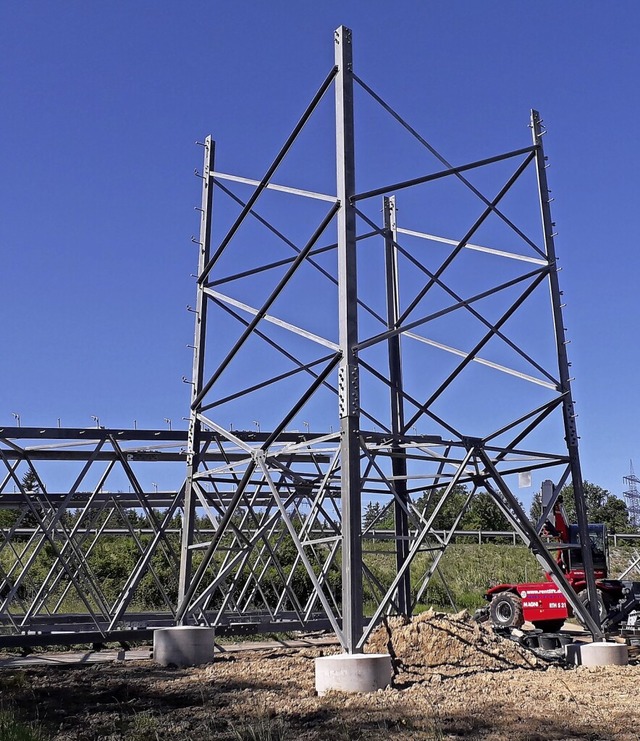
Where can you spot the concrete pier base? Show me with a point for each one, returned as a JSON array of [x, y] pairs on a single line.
[[602, 653], [353, 673], [183, 645]]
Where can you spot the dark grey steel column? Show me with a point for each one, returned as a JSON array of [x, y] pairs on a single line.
[[398, 458], [571, 434], [194, 442], [348, 378]]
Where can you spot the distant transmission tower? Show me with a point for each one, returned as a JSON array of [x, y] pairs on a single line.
[[632, 496]]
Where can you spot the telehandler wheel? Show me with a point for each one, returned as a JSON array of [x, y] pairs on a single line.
[[506, 610], [603, 603]]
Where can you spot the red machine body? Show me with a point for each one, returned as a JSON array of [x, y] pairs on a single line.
[[542, 603]]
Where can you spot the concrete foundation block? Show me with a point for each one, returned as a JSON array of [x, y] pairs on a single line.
[[603, 653], [353, 673], [183, 645]]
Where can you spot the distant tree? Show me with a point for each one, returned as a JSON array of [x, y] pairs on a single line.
[[536, 507], [602, 506], [615, 513], [371, 514], [449, 510], [378, 517], [484, 514], [9, 517], [30, 483]]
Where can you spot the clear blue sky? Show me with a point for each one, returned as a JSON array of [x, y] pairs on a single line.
[[100, 105]]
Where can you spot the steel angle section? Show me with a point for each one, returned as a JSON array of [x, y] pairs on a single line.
[[273, 186], [481, 361], [273, 320], [224, 433], [474, 247], [250, 540], [394, 187]]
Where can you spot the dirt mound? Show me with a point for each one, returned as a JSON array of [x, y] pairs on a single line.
[[434, 644]]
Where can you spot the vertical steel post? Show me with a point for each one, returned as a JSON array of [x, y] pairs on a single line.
[[194, 442], [398, 458], [348, 376], [571, 434]]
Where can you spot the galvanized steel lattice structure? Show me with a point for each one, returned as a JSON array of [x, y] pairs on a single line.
[[338, 312]]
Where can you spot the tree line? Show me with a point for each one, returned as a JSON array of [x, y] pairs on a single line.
[[482, 513]]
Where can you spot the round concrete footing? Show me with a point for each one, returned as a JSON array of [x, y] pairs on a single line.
[[602, 653], [183, 645], [353, 672]]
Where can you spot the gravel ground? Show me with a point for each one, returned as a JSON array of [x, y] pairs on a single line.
[[453, 680]]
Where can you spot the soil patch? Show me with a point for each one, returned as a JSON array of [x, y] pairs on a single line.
[[455, 680], [449, 645]]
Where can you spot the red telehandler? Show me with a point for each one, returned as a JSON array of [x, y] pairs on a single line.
[[544, 605]]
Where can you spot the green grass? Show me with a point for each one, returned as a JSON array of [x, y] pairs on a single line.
[[262, 729], [466, 569], [12, 729]]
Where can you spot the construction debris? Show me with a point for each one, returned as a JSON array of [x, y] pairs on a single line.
[[435, 644]]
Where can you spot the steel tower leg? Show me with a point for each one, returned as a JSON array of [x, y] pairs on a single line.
[[571, 434], [348, 378], [398, 459], [194, 442]]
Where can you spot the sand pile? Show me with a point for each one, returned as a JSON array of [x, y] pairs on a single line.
[[434, 643]]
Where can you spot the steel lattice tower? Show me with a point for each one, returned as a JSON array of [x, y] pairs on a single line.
[[334, 323], [632, 496], [410, 323]]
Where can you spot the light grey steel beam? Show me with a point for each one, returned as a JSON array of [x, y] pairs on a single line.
[[398, 460], [70, 544], [460, 304], [568, 413], [273, 186], [194, 441], [415, 547], [445, 542], [184, 605], [144, 564], [272, 319], [348, 379], [473, 247], [90, 434]]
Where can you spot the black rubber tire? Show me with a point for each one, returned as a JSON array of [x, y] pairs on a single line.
[[603, 603], [548, 626], [506, 610]]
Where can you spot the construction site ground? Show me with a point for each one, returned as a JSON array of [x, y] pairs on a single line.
[[453, 679]]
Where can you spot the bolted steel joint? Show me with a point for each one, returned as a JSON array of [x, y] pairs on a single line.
[[348, 391]]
